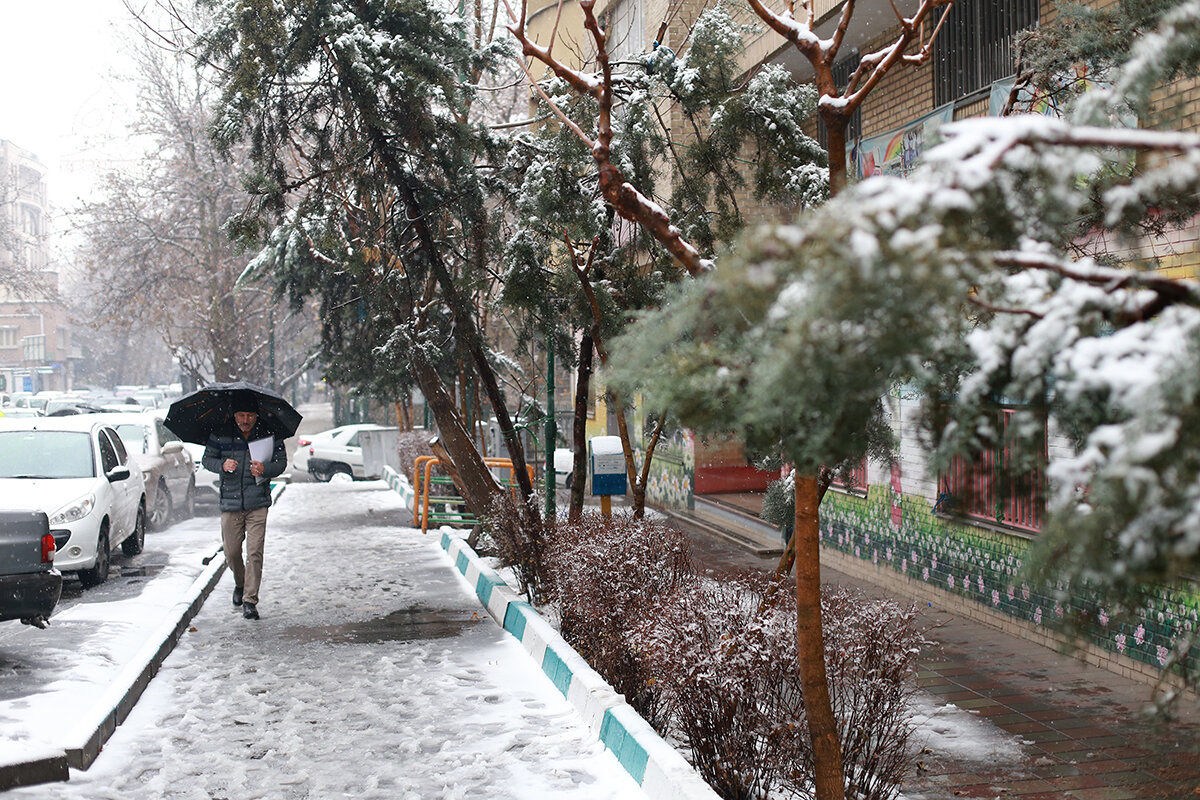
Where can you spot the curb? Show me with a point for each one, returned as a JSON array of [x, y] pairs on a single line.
[[400, 485], [660, 769], [83, 744]]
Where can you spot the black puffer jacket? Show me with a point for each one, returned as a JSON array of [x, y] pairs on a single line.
[[241, 491]]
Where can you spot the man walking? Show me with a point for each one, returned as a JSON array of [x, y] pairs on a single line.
[[245, 495]]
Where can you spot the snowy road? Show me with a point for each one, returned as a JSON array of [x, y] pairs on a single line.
[[372, 674]]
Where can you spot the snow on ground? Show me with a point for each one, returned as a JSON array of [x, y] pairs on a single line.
[[952, 732], [372, 674], [49, 676]]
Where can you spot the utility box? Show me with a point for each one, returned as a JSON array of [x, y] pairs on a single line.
[[606, 466], [379, 450]]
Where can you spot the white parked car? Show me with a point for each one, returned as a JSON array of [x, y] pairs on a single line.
[[77, 471], [332, 452], [167, 469]]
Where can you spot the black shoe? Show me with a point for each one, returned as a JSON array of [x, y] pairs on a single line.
[[250, 611], [237, 595]]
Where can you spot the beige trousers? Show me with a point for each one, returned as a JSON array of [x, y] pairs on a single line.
[[251, 527]]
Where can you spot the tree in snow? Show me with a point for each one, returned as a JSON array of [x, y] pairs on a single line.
[[610, 273], [964, 281], [358, 120], [157, 254]]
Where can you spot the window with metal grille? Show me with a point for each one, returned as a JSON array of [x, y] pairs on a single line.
[[842, 71], [854, 479], [976, 45], [988, 487]]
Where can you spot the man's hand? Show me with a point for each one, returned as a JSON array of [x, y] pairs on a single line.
[[230, 465], [256, 468]]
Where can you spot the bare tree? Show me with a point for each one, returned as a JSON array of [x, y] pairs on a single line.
[[159, 253]]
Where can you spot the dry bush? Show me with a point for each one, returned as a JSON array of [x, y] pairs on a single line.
[[411, 445], [724, 652], [730, 680], [871, 649], [606, 574], [520, 540]]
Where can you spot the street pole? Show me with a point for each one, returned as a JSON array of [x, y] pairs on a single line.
[[551, 431]]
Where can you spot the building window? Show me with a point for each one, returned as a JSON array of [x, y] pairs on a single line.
[[989, 488], [8, 336], [852, 480], [975, 46]]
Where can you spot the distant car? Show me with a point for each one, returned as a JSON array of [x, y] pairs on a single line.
[[75, 470], [564, 465], [332, 452], [65, 406], [30, 586], [167, 468], [207, 484], [12, 412]]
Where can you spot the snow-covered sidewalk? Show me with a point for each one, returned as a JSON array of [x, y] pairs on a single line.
[[372, 674]]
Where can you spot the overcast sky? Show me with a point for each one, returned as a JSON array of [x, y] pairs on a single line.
[[64, 88]]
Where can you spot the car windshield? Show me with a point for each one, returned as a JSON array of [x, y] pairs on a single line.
[[135, 437], [46, 454]]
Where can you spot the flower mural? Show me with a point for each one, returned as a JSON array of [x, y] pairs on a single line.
[[970, 561]]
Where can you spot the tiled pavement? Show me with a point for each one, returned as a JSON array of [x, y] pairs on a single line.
[[1080, 729]]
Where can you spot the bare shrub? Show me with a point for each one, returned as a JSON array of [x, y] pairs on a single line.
[[730, 680], [725, 656], [411, 445], [520, 539], [871, 649], [606, 575]]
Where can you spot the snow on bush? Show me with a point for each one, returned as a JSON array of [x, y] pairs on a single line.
[[724, 653], [605, 574]]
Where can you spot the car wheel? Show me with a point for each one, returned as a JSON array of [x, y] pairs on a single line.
[[320, 475], [98, 573], [135, 541], [187, 509], [341, 469], [161, 513]]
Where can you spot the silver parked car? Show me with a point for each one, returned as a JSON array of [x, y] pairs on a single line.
[[166, 465]]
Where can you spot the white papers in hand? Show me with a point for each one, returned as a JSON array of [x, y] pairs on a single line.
[[261, 450]]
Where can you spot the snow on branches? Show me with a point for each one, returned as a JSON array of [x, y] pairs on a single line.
[[974, 281]]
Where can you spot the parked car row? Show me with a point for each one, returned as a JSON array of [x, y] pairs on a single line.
[[77, 471]]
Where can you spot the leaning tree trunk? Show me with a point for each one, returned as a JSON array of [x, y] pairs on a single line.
[[478, 486], [579, 428]]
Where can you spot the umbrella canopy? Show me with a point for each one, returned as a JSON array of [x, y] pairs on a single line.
[[196, 416]]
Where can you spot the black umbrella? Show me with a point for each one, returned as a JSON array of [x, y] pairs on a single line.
[[196, 416]]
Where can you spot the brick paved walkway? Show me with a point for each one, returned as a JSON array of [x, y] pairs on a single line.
[[1078, 729]]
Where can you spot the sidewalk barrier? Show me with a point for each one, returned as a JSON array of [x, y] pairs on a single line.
[[660, 769], [453, 508], [82, 745], [400, 485]]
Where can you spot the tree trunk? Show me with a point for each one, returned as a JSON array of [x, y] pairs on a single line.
[[479, 488], [835, 129], [579, 428], [822, 726]]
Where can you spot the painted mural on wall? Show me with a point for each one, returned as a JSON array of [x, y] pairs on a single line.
[[672, 479], [898, 151], [901, 532]]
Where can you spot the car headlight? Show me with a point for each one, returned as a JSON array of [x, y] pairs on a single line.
[[74, 511]]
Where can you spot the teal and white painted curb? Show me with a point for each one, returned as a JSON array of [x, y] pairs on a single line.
[[400, 485], [660, 769]]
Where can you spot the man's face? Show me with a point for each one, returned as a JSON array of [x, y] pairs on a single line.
[[245, 420]]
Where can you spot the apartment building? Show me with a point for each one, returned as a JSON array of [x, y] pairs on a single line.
[[36, 348]]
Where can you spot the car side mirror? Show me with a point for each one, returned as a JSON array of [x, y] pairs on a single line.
[[117, 474], [172, 446]]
